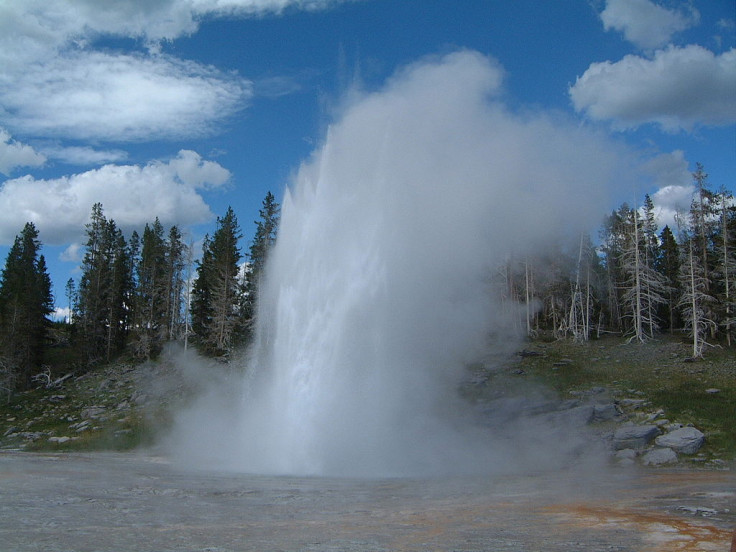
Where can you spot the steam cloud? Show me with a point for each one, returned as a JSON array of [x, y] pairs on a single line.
[[378, 288]]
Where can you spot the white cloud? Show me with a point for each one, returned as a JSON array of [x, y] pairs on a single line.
[[669, 201], [668, 169], [673, 181], [92, 95], [14, 154], [37, 27], [258, 7], [644, 23], [678, 88], [77, 155], [61, 313], [53, 82], [131, 195], [72, 254]]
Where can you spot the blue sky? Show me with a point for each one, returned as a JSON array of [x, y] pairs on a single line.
[[179, 108]]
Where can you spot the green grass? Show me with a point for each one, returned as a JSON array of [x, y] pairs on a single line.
[[656, 371]]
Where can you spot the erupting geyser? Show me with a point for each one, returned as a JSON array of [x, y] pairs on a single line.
[[378, 288]]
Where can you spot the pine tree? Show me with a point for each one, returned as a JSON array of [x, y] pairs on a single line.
[[725, 265], [150, 295], [614, 237], [71, 298], [667, 263], [175, 265], [105, 288], [121, 291], [217, 293], [93, 287], [25, 303], [263, 241]]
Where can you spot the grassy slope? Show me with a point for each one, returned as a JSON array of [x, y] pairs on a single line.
[[658, 371], [131, 409]]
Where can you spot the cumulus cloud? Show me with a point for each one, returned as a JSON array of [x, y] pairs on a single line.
[[670, 175], [646, 24], [671, 202], [14, 154], [131, 195], [679, 88]]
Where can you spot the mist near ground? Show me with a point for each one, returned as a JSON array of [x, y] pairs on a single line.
[[379, 290]]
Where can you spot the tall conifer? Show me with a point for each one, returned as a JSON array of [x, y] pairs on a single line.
[[25, 303]]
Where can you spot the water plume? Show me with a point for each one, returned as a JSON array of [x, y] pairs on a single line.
[[378, 291]]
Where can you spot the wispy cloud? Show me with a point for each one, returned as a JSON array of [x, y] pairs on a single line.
[[679, 88], [131, 195], [94, 95], [646, 24], [83, 155], [55, 82]]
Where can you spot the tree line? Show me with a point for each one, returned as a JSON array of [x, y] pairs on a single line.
[[134, 294], [138, 293], [638, 281]]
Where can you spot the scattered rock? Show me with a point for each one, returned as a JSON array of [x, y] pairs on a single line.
[[92, 412], [605, 412], [698, 510], [712, 391], [633, 403], [659, 456], [524, 353], [686, 440], [634, 436], [654, 415], [59, 440]]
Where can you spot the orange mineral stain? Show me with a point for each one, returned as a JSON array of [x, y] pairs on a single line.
[[659, 532]]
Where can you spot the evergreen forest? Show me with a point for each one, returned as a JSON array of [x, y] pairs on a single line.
[[138, 292]]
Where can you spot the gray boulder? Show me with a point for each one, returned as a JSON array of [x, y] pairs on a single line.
[[659, 456], [686, 440], [626, 457], [605, 412], [634, 436]]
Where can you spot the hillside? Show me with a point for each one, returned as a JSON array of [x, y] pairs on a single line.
[[122, 406]]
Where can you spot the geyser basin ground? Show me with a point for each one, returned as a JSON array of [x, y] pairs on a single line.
[[119, 502]]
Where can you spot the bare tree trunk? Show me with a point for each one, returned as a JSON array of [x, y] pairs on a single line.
[[694, 307]]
